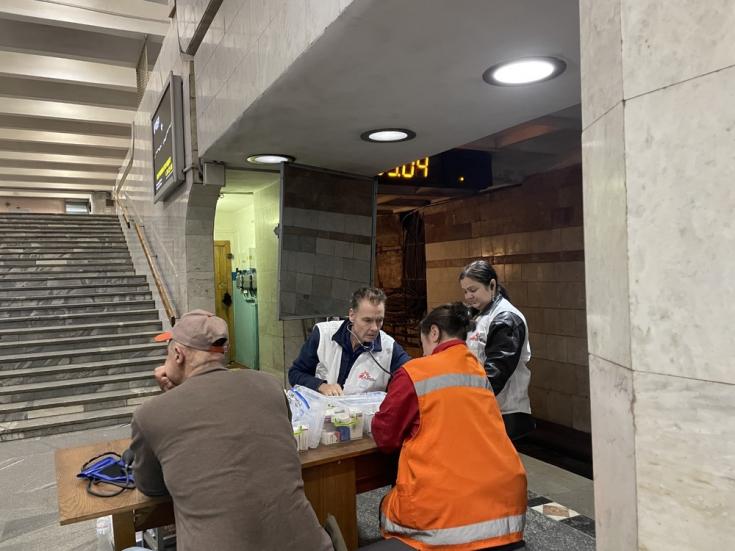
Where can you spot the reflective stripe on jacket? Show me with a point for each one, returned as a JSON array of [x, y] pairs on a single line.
[[461, 484]]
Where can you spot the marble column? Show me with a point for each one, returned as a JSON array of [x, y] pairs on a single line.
[[658, 105]]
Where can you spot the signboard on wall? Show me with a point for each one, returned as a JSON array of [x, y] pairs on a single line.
[[326, 244], [167, 132]]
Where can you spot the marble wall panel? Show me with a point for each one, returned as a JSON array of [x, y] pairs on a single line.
[[613, 445], [606, 238], [680, 159], [669, 42], [685, 454], [600, 57]]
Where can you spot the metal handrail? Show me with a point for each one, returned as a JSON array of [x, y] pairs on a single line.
[[162, 291]]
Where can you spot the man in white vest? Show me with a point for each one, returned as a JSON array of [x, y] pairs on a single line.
[[351, 356]]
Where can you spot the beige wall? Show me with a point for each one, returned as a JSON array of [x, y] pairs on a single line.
[[532, 235], [249, 44], [179, 229], [238, 227], [41, 205], [658, 102], [279, 341]]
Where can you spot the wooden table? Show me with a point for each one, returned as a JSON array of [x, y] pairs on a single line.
[[333, 476]]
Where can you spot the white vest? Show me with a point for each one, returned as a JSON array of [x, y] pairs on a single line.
[[514, 396], [365, 375]]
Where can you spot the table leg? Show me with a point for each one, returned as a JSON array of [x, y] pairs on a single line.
[[123, 530], [331, 488]]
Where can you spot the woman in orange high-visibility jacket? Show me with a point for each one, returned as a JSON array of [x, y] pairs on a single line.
[[461, 484]]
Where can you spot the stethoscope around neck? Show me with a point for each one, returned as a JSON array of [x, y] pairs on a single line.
[[366, 348]]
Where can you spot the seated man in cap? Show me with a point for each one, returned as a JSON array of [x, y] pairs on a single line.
[[221, 444]]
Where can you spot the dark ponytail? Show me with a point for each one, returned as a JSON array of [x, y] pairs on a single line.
[[453, 320], [482, 272]]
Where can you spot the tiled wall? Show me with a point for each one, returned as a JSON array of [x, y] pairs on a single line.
[[532, 234], [249, 44], [326, 252]]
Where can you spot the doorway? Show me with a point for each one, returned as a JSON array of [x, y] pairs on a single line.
[[223, 288]]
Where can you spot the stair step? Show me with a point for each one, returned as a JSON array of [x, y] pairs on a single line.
[[65, 357], [14, 312], [64, 331], [76, 403], [82, 255], [30, 428], [25, 293], [62, 343], [53, 320], [56, 227], [62, 231], [60, 300], [78, 371], [72, 247], [55, 216], [54, 281], [37, 264], [43, 273], [59, 241], [77, 385]]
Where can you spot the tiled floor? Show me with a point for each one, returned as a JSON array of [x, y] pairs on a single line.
[[29, 522]]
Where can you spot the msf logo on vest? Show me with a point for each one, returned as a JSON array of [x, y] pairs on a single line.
[[365, 376]]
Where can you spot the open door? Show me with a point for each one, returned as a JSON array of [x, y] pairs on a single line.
[[223, 288]]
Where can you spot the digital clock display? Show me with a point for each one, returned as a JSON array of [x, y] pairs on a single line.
[[460, 168], [415, 169]]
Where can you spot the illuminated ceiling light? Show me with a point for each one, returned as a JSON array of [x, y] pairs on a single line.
[[269, 159], [524, 71], [386, 135]]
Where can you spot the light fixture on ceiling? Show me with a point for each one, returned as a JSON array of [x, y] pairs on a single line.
[[269, 159], [388, 135], [524, 71]]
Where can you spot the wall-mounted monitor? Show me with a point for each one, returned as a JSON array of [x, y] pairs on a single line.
[[167, 127]]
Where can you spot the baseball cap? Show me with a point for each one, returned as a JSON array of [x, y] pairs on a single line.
[[199, 329]]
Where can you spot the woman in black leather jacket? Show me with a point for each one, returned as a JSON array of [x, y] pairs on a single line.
[[500, 342]]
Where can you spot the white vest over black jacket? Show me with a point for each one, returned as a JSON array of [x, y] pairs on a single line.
[[514, 396], [365, 375]]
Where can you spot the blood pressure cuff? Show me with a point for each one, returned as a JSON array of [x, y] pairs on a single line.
[[108, 468]]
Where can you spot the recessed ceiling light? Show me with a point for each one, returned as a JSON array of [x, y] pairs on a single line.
[[524, 71], [269, 159], [384, 135]]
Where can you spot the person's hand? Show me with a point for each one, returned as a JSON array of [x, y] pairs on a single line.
[[164, 382], [330, 390]]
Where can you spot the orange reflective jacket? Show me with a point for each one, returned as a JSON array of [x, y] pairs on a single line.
[[461, 484]]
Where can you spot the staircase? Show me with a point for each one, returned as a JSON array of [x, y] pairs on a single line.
[[76, 326]]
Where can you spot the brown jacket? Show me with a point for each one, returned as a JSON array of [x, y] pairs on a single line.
[[221, 444]]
